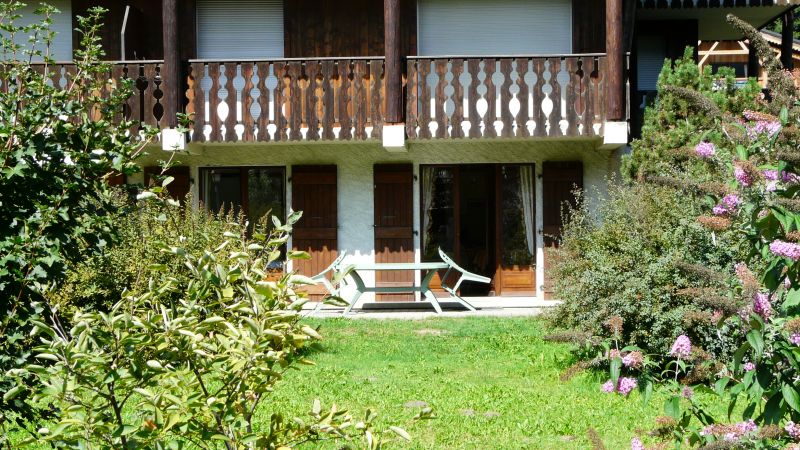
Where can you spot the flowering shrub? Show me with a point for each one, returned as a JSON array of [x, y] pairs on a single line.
[[755, 205]]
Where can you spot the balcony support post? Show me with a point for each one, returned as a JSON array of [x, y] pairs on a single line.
[[392, 71], [615, 50], [170, 71], [787, 39]]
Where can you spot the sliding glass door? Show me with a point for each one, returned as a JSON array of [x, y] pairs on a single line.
[[483, 215]]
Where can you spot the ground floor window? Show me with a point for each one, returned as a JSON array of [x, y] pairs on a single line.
[[483, 215], [255, 191]]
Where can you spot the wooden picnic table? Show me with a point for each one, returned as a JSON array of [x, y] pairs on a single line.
[[424, 287]]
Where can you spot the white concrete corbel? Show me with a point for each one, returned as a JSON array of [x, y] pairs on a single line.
[[394, 138]]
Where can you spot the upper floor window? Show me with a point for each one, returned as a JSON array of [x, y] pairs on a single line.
[[500, 27], [239, 29], [61, 47]]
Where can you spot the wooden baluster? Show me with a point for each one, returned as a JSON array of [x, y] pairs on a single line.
[[213, 103], [412, 87], [600, 106], [440, 65], [489, 67], [522, 96], [474, 67], [505, 99], [424, 69], [199, 116], [456, 130], [555, 97], [587, 97], [148, 111], [538, 98], [360, 99], [264, 95], [573, 96], [281, 97], [343, 108], [135, 71], [230, 101], [312, 100], [157, 91], [376, 97], [328, 100], [296, 98], [248, 121], [118, 74]]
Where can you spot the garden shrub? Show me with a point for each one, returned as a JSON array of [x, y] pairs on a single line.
[[57, 147], [628, 265], [753, 156]]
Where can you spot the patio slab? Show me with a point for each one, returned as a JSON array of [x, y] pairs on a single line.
[[424, 310]]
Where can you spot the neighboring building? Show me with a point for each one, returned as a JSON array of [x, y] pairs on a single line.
[[737, 55], [401, 126]]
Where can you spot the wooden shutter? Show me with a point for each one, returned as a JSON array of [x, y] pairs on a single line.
[[240, 29], [314, 193], [394, 225], [501, 27], [180, 186], [559, 181]]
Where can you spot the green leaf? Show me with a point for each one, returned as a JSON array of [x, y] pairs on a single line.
[[672, 407], [756, 340], [616, 367], [12, 393], [792, 298], [791, 396], [720, 385]]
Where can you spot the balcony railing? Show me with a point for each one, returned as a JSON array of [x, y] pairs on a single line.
[[514, 96], [286, 100], [142, 108]]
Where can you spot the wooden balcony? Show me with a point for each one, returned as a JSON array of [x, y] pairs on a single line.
[[332, 99], [144, 107], [515, 96]]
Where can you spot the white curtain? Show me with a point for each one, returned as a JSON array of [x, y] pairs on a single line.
[[526, 190], [428, 175]]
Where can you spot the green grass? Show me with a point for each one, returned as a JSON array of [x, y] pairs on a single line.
[[499, 369]]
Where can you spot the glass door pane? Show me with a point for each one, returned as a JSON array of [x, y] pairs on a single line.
[[222, 190], [266, 193], [517, 216], [438, 211]]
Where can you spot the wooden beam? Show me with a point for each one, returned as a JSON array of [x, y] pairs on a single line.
[[615, 50], [170, 71], [787, 39], [393, 71]]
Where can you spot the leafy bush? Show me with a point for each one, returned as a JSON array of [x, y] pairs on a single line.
[[185, 361], [57, 146], [632, 264]]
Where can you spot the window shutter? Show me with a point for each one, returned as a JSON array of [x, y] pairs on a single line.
[[61, 48], [502, 27], [651, 53], [247, 29]]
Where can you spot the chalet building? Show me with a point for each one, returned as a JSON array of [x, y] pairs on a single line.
[[737, 56], [402, 126]]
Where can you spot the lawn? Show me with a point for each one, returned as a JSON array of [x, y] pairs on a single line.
[[492, 383]]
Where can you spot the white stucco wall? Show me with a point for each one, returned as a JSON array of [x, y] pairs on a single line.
[[355, 163]]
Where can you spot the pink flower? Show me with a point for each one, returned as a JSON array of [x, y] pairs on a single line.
[[633, 359], [608, 387], [746, 427], [626, 385], [770, 175], [790, 178], [614, 353], [793, 430], [731, 200], [787, 249], [720, 210], [762, 305], [749, 367], [705, 150], [795, 338], [687, 393], [742, 176], [763, 128], [682, 347], [636, 444]]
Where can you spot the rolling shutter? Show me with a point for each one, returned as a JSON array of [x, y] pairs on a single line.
[[232, 29], [61, 48], [502, 27], [651, 54]]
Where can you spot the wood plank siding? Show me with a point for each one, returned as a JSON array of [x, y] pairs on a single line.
[[394, 225], [559, 181], [343, 28]]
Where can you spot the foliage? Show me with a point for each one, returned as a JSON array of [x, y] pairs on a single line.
[[185, 361], [632, 264], [753, 158], [57, 147]]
